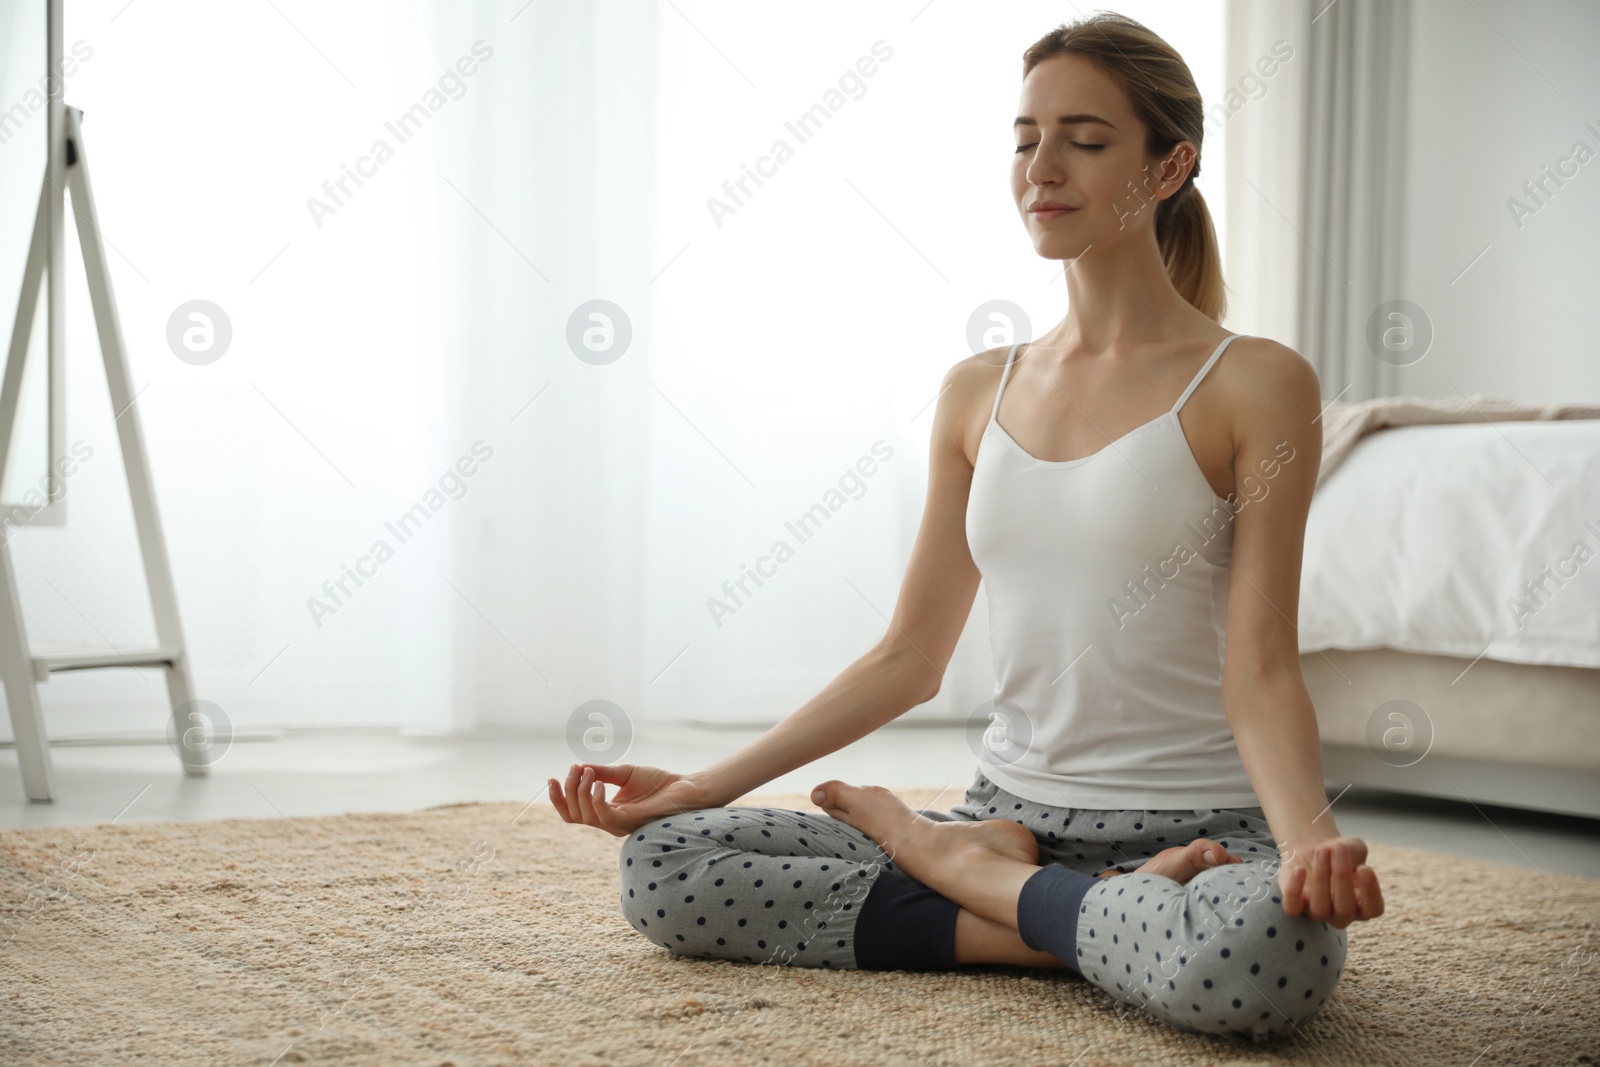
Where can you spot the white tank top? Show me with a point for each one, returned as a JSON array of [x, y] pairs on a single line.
[[1107, 585]]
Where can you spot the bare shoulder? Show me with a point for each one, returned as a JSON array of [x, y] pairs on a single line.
[[976, 374], [965, 396], [1262, 375], [1274, 402]]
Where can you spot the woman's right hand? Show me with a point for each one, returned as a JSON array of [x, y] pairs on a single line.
[[644, 794]]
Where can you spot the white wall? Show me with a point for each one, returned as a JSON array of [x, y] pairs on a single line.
[[1500, 90]]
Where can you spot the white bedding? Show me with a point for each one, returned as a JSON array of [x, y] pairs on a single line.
[[1424, 537]]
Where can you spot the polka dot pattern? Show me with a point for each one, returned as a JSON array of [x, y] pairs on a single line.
[[757, 885], [1216, 955]]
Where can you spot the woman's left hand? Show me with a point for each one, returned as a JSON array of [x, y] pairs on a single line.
[[1330, 882]]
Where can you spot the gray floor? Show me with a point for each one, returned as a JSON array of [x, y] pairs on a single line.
[[305, 773]]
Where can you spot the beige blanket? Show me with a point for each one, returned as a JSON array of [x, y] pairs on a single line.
[[1345, 424]]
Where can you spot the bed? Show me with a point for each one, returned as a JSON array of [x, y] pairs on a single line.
[[1450, 609]]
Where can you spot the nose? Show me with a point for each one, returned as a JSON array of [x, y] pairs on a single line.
[[1044, 169]]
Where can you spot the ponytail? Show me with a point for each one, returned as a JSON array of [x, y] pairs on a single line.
[[1188, 243]]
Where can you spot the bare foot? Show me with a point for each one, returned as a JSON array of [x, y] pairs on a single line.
[[1183, 862], [934, 853]]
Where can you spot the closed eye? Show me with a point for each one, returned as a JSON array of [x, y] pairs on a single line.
[[1075, 144]]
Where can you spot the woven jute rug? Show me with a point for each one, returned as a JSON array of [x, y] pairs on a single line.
[[491, 934]]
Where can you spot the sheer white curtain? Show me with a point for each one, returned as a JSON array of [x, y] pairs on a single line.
[[208, 129], [788, 337], [802, 210], [1318, 177], [1264, 127], [1354, 179]]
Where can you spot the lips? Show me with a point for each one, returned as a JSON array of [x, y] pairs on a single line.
[[1046, 213]]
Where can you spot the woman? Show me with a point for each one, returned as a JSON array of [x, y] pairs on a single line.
[[1149, 810]]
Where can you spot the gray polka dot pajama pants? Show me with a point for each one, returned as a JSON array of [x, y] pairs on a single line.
[[775, 886]]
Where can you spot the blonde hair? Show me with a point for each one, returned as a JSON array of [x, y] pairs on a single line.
[[1163, 94]]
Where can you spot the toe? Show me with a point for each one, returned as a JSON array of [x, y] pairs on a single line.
[[832, 795]]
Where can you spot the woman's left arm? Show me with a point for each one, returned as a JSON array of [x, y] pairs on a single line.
[[1277, 436]]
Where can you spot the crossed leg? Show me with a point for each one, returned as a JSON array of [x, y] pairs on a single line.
[[1164, 939], [981, 865], [980, 940]]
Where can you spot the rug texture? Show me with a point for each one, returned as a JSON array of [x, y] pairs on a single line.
[[491, 934]]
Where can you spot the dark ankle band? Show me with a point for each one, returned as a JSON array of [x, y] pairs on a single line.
[[1047, 911], [905, 926]]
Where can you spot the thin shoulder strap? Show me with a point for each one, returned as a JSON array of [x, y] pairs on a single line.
[[1203, 370], [995, 414]]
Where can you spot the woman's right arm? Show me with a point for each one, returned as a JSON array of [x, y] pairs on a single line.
[[906, 666]]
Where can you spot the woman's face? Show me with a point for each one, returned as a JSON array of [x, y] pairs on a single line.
[[1094, 163]]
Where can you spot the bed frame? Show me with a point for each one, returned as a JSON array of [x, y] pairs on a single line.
[[1516, 734]]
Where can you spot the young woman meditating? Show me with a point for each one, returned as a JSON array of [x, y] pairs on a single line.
[[1148, 808]]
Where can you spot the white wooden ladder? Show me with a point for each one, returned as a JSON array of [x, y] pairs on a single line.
[[22, 669]]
